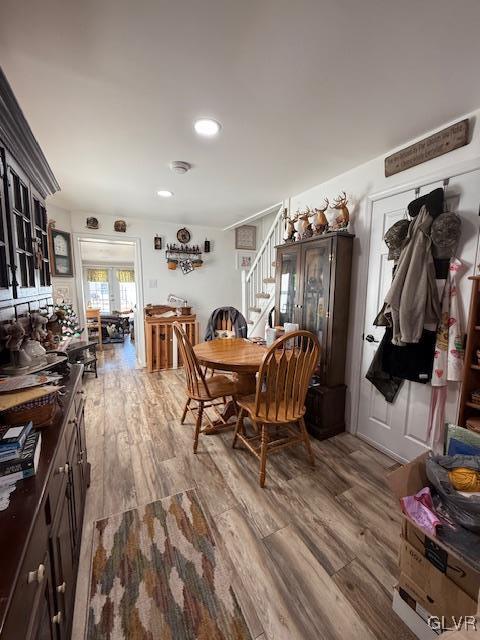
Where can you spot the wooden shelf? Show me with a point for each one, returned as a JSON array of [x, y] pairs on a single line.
[[470, 381]]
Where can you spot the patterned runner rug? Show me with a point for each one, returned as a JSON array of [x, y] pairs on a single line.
[[156, 575]]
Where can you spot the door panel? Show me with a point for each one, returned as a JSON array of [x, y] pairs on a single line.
[[401, 428], [43, 623], [316, 261], [287, 285], [22, 230], [6, 290]]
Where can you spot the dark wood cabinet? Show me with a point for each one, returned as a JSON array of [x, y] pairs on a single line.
[[42, 531], [26, 222], [25, 181], [313, 290]]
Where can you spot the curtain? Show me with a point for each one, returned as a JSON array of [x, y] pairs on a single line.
[[125, 275], [97, 275]]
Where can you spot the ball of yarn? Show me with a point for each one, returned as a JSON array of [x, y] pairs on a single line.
[[465, 479]]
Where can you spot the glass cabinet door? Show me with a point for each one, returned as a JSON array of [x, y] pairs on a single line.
[[22, 231], [6, 292], [316, 286], [287, 286]]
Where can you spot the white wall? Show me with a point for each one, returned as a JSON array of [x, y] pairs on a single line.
[[359, 183], [63, 222], [217, 283]]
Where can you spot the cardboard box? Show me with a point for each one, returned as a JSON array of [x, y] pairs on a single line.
[[408, 480], [433, 590], [453, 566], [415, 620]]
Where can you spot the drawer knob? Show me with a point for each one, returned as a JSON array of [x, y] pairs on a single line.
[[61, 587], [64, 469], [57, 618], [37, 575]]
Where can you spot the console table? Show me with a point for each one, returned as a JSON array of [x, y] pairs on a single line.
[[41, 530], [83, 352]]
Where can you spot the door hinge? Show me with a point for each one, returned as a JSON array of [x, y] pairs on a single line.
[[327, 314], [331, 257]]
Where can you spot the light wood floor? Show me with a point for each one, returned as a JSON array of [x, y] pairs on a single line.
[[312, 556]]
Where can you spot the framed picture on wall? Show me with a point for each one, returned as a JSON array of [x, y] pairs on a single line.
[[245, 259], [246, 237], [61, 258]]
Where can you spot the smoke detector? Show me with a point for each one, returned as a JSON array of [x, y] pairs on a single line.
[[178, 166]]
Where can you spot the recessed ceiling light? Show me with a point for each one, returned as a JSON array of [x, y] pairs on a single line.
[[164, 193], [207, 127]]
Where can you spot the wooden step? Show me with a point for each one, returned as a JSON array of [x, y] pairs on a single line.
[[255, 309], [262, 295], [269, 280]]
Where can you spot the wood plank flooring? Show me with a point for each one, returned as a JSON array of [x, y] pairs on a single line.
[[311, 556]]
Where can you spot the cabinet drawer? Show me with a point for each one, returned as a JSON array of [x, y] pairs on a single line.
[[79, 398], [58, 476], [33, 573]]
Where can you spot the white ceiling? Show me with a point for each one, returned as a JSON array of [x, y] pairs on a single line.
[[107, 252], [304, 89]]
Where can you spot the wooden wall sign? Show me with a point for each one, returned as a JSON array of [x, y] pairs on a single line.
[[450, 138]]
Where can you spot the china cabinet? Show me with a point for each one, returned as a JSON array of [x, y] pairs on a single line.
[[313, 290], [25, 181]]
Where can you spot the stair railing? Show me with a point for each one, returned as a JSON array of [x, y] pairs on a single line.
[[262, 267]]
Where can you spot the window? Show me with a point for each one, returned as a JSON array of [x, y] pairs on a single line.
[[110, 289], [99, 296], [128, 298], [126, 286]]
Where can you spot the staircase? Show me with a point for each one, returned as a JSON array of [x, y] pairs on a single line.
[[258, 284]]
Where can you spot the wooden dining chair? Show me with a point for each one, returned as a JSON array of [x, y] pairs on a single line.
[[204, 392], [94, 323], [278, 406]]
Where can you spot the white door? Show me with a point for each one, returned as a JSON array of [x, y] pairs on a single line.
[[400, 428]]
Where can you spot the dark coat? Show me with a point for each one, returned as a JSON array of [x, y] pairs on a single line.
[[239, 324]]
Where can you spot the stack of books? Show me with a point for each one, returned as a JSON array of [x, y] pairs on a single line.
[[19, 453], [476, 396]]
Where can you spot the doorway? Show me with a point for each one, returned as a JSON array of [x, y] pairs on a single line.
[[109, 279], [400, 429]]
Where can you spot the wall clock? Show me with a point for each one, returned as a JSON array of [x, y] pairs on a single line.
[[183, 235], [61, 259], [246, 237]]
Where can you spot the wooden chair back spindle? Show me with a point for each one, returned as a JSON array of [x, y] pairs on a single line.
[[195, 378], [284, 376]]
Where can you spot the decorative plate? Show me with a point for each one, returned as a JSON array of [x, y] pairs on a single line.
[[186, 266], [246, 237], [183, 235]]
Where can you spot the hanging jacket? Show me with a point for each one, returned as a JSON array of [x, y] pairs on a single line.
[[412, 302], [239, 324]]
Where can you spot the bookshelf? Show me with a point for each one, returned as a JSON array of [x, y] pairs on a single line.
[[471, 368]]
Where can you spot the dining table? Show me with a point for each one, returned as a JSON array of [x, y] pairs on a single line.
[[239, 356]]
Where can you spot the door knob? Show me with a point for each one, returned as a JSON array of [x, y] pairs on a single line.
[[37, 575], [57, 618], [370, 338]]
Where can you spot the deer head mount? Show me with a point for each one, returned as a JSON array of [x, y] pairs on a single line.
[[289, 226], [340, 204], [320, 221]]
